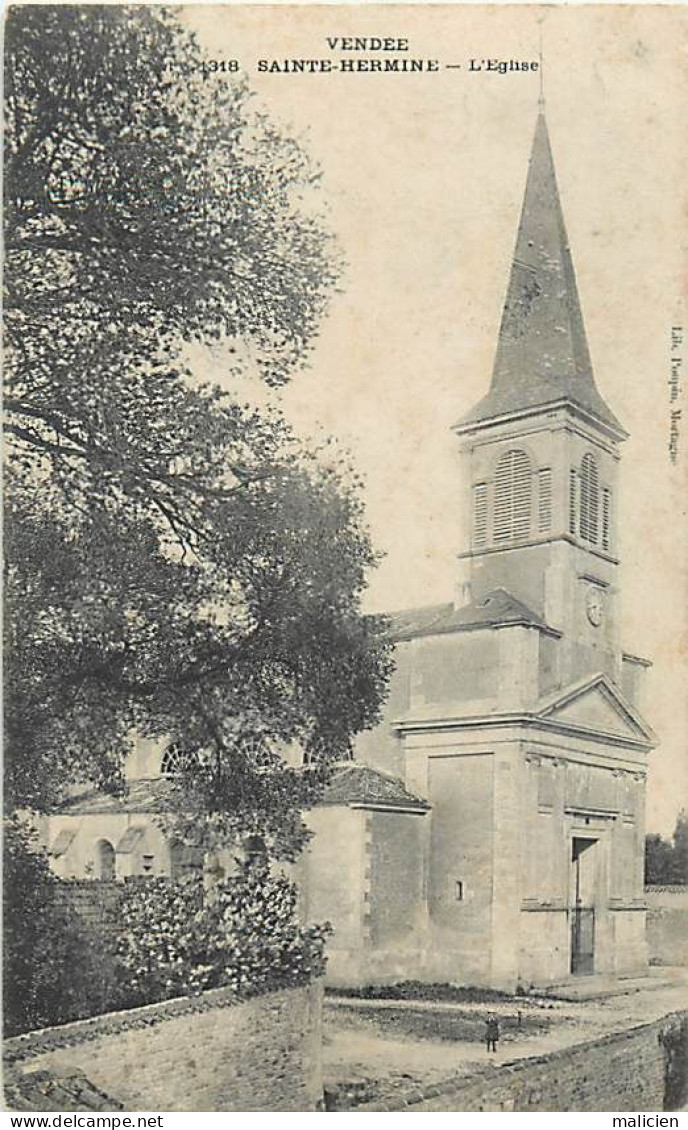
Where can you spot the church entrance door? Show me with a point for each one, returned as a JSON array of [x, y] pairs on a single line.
[[582, 905]]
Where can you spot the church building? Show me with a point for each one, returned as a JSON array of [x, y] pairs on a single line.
[[491, 830], [514, 711]]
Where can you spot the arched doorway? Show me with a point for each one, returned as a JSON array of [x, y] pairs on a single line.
[[106, 860]]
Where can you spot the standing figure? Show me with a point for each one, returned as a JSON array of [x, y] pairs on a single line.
[[491, 1032]]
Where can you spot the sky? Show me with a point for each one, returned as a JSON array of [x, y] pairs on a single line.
[[423, 177]]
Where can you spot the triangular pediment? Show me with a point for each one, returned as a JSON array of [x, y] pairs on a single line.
[[597, 705]]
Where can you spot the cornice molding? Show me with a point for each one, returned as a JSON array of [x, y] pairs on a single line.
[[521, 719]]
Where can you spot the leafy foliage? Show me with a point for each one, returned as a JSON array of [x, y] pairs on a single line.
[[162, 939], [667, 861], [177, 562], [246, 936], [144, 199], [55, 969]]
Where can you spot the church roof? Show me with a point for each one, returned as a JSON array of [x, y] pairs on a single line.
[[497, 609], [542, 352], [350, 783], [355, 784], [147, 795]]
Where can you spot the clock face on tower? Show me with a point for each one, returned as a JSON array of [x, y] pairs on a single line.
[[594, 606]]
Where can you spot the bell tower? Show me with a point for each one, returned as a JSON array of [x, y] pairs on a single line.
[[541, 449]]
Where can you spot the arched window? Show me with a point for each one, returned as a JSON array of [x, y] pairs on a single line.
[[106, 860], [589, 500], [176, 761], [513, 491]]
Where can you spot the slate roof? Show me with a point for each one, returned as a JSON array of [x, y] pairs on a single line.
[[542, 352], [351, 783], [497, 609], [356, 784]]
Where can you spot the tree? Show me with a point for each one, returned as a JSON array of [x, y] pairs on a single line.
[[144, 199], [177, 562], [658, 857], [667, 861], [54, 969], [679, 870]]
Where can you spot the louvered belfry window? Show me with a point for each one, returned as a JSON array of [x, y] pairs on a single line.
[[544, 500], [513, 489], [589, 500], [573, 501], [606, 518], [480, 515]]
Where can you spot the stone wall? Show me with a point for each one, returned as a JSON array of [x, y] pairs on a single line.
[[667, 924], [204, 1053], [642, 1069], [95, 900]]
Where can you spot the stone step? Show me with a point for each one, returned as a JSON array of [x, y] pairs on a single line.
[[602, 985]]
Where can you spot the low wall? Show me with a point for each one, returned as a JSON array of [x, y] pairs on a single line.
[[203, 1053], [642, 1069], [667, 924]]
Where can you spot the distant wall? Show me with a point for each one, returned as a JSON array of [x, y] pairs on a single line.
[[643, 1069], [667, 924], [203, 1053]]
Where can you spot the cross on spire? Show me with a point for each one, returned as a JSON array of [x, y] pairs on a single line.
[[541, 99]]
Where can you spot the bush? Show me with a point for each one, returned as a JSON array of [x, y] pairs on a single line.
[[243, 934], [55, 968], [170, 939], [420, 991]]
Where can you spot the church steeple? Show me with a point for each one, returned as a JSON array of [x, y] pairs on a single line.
[[541, 451], [542, 353]]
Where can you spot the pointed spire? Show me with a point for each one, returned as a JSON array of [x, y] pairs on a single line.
[[542, 352]]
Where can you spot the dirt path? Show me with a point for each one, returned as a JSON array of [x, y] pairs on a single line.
[[372, 1049]]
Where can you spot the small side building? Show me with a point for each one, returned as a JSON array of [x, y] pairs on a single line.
[[365, 872]]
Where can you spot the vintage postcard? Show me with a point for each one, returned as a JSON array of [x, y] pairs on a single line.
[[345, 536]]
